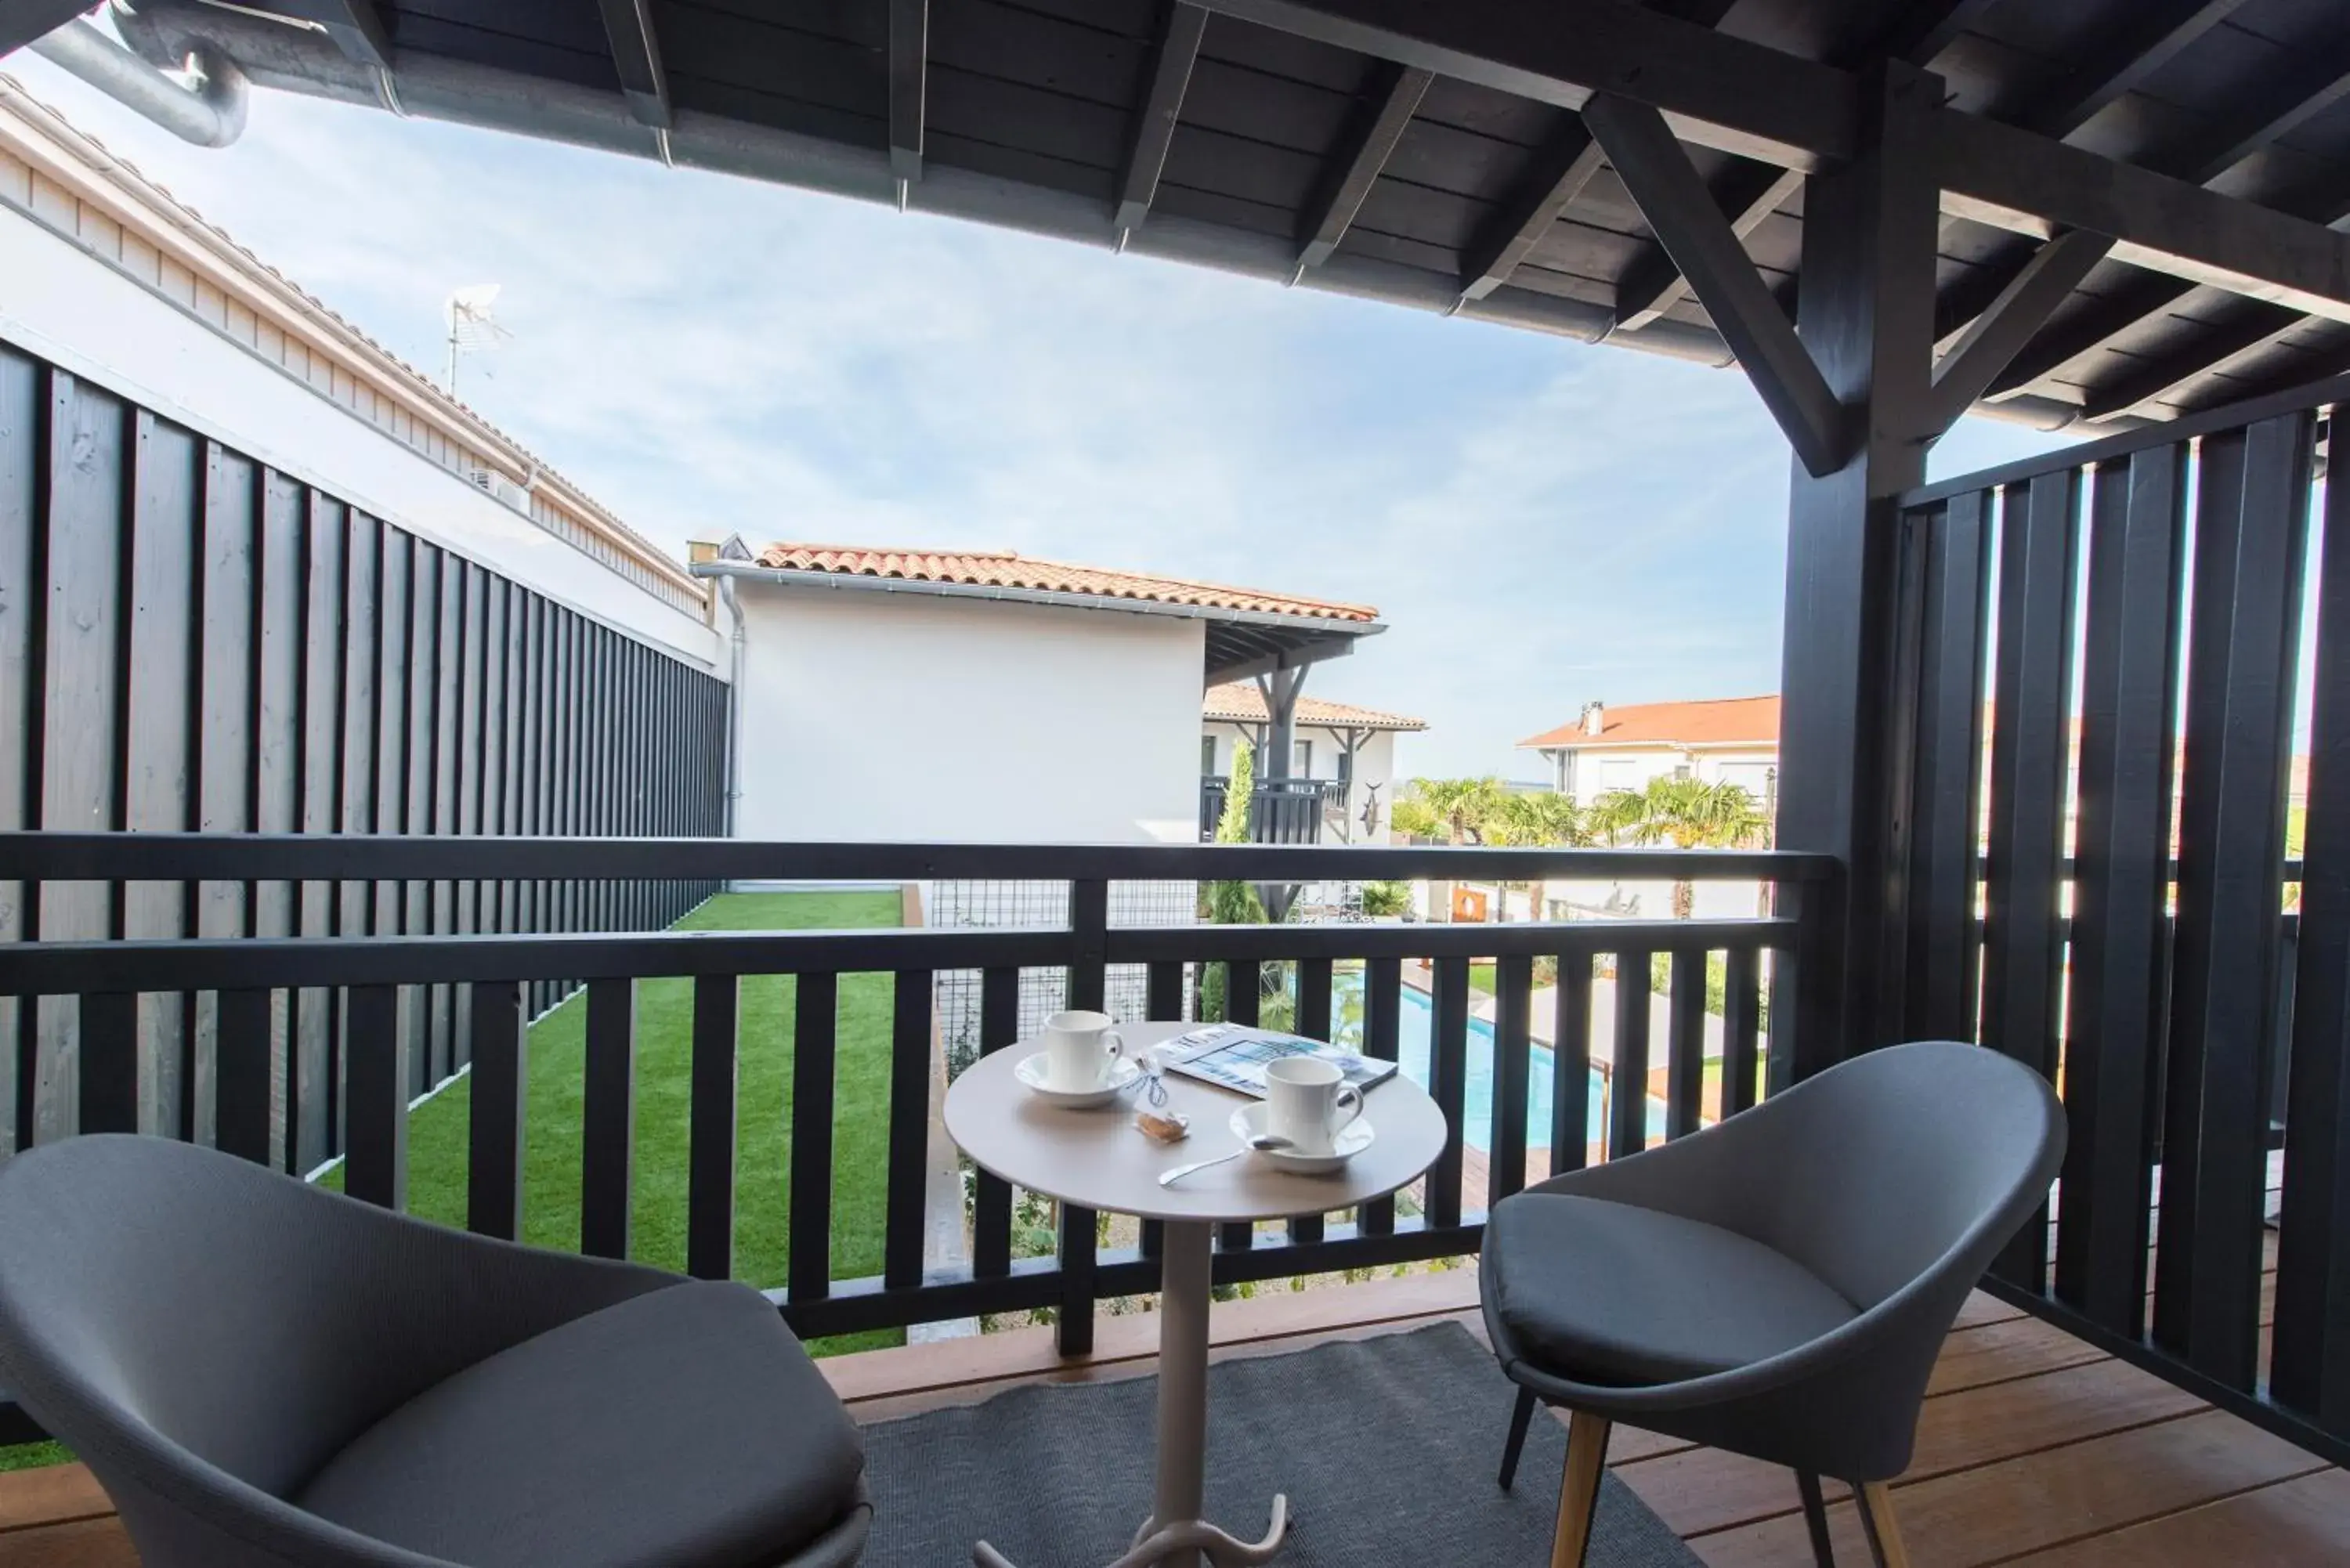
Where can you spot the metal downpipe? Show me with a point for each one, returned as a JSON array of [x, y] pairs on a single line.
[[210, 114]]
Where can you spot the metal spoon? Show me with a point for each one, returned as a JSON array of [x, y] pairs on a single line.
[[1262, 1143]]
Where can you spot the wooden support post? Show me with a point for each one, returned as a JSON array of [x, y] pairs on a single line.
[[1866, 309]]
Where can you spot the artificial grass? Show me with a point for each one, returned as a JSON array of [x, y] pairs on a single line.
[[438, 1129], [33, 1455]]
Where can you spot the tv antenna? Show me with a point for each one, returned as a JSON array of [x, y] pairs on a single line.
[[473, 327]]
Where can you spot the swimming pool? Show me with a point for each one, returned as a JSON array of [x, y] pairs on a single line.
[[1413, 1027]]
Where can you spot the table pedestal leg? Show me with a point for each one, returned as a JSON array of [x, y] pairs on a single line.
[[1175, 1536]]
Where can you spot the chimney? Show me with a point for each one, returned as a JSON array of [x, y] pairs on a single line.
[[697, 551], [1595, 718]]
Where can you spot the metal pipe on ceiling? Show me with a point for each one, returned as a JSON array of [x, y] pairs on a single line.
[[211, 113], [295, 57]]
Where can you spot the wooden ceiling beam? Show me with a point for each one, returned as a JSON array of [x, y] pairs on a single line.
[[2020, 309], [1748, 193], [2255, 327], [636, 53], [2283, 108], [1177, 49], [1562, 170], [1922, 30], [2157, 33], [910, 56], [1673, 197], [1394, 98]]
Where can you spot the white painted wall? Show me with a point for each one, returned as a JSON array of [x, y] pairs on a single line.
[[80, 313], [1374, 765], [1586, 773], [874, 716]]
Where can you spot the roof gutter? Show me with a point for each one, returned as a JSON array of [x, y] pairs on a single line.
[[844, 582], [210, 114]]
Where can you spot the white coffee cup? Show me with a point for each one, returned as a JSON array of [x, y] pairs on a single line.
[[1080, 1048], [1309, 1102]]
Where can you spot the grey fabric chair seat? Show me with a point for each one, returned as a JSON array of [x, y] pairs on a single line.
[[682, 1428], [1613, 1294], [265, 1375]]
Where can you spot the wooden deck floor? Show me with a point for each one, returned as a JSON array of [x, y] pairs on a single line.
[[2034, 1448]]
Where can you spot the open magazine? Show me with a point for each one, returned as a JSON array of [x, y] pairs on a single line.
[[1234, 1056]]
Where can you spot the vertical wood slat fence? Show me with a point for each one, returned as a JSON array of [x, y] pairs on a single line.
[[2101, 665], [191, 640], [365, 974]]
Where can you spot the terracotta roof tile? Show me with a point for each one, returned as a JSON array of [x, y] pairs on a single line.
[[1239, 702], [1005, 569], [1730, 720]]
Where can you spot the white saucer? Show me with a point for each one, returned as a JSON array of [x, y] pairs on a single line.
[[1032, 1071], [1353, 1138]]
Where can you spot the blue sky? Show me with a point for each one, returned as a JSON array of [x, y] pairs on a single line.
[[1541, 523]]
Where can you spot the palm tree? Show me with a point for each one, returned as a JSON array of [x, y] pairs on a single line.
[[1686, 812], [1465, 809], [1539, 820]]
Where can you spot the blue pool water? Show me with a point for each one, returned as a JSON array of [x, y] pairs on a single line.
[[1412, 1032]]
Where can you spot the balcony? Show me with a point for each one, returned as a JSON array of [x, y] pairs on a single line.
[[1281, 811]]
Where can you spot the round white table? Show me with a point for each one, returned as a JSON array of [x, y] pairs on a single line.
[[1096, 1159]]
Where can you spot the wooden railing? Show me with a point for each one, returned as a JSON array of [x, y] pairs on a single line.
[[1281, 811], [94, 991], [2098, 655]]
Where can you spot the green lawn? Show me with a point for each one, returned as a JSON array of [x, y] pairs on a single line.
[[437, 1130]]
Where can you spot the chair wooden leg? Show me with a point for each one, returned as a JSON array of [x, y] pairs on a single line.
[[1578, 1491], [1816, 1518], [1520, 1419], [1884, 1531]]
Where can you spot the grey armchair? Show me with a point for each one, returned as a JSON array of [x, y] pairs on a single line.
[[1778, 1285], [263, 1375]]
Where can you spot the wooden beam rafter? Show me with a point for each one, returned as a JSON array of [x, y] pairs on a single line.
[[1180, 28], [2157, 33], [1921, 31], [636, 54], [1674, 199], [1749, 192], [2254, 327], [1562, 170], [1966, 368], [910, 54], [1393, 99]]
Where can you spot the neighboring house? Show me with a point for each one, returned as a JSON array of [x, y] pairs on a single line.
[[987, 696], [1350, 750], [1731, 740]]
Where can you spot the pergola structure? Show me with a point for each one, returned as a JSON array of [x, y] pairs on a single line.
[[1889, 213]]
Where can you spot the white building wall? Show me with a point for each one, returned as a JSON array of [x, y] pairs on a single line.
[[95, 322], [1585, 774], [874, 716]]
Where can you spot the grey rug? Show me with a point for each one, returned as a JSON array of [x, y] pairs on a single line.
[[1387, 1449]]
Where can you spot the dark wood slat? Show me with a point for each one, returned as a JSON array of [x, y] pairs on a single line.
[[1448, 1083], [1741, 1028], [23, 389], [816, 1023], [1560, 174], [375, 1168], [1685, 1045], [710, 1148], [1313, 976], [106, 1091], [990, 1226], [2250, 538], [1921, 29], [1513, 984], [2121, 893], [608, 1118], [1627, 1082], [1393, 97], [1164, 991], [1178, 49], [227, 667], [1087, 989], [910, 1055], [2030, 754], [1570, 1114], [2309, 1363], [637, 59], [1242, 995], [427, 1031], [1946, 813], [241, 1113], [1382, 1024], [310, 1139], [499, 1111]]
